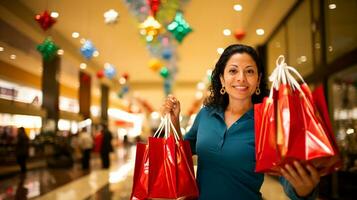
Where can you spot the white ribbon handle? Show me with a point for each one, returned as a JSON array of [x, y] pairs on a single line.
[[159, 129], [167, 124]]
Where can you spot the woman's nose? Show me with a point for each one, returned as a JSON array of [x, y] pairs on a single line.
[[241, 76]]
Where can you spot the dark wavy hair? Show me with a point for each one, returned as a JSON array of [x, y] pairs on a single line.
[[216, 100]]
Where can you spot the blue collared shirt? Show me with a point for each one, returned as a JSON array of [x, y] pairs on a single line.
[[226, 157]]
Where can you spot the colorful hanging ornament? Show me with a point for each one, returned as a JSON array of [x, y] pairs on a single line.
[[239, 34], [150, 27], [88, 49], [179, 27], [155, 64], [109, 70], [125, 75], [100, 74], [45, 20], [166, 54], [111, 16], [154, 6], [164, 72], [48, 49], [167, 86], [123, 91]]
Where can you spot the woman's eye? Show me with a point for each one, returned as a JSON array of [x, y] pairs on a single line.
[[250, 71], [232, 71]]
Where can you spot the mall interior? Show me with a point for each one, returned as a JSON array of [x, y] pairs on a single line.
[[69, 68]]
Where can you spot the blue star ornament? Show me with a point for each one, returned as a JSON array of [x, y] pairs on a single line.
[[179, 27], [88, 49]]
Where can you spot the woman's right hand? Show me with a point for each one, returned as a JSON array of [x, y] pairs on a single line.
[[171, 106]]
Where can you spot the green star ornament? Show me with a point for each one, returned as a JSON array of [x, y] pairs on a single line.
[[164, 72], [179, 27], [48, 49]]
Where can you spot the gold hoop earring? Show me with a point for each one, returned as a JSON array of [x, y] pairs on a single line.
[[257, 91], [223, 90]]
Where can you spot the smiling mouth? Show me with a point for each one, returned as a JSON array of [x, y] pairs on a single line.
[[240, 87]]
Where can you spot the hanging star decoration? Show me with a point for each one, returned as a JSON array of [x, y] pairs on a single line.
[[155, 64], [45, 20], [154, 6], [179, 27], [164, 72], [150, 27], [111, 16], [48, 49], [109, 70], [88, 49]]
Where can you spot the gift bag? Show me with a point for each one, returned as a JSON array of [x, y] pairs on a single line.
[[293, 126], [164, 167], [171, 174], [141, 173]]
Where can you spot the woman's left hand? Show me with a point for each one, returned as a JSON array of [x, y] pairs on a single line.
[[303, 178]]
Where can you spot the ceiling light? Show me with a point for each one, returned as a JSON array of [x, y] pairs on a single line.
[[332, 6], [122, 81], [83, 66], [60, 52], [1, 48], [226, 32], [54, 14], [75, 34], [155, 115], [12, 56], [237, 7], [111, 16], [220, 50], [199, 95], [350, 131], [260, 31], [200, 86], [330, 48], [96, 54], [303, 58], [107, 65]]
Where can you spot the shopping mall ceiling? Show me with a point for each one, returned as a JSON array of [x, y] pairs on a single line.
[[122, 45]]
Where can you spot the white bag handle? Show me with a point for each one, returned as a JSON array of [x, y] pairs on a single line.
[[159, 129], [167, 124], [282, 74], [277, 75]]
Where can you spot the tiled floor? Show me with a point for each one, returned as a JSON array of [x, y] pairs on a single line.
[[114, 183]]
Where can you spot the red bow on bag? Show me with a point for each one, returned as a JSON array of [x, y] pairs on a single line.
[[288, 126], [164, 167]]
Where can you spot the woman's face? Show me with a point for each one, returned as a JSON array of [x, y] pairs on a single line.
[[240, 77]]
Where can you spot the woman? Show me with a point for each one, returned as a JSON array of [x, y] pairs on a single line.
[[222, 134]]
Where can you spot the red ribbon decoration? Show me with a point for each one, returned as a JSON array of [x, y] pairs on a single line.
[[45, 20], [154, 6]]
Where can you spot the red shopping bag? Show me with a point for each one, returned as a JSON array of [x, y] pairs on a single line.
[[164, 167], [267, 156], [334, 163], [295, 123], [186, 183], [141, 173], [171, 169]]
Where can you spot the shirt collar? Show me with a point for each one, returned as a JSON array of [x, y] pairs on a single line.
[[220, 112]]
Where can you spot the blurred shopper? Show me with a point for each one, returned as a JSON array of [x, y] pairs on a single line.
[[22, 149], [86, 145], [98, 140], [106, 147], [222, 134]]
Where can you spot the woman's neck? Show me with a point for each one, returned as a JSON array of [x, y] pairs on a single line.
[[239, 107]]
